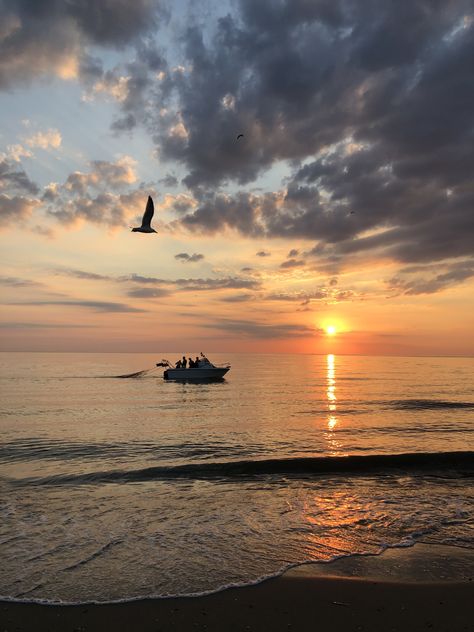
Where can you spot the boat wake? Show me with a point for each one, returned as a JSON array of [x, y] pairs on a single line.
[[135, 375]]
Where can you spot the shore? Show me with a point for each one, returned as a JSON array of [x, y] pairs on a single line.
[[413, 589]]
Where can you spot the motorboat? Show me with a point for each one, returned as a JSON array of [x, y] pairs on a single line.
[[204, 371]]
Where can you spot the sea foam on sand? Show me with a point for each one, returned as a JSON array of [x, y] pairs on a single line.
[[421, 588]]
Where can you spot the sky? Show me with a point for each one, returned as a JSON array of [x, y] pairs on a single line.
[[311, 164]]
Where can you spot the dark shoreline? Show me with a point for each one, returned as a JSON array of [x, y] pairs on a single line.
[[422, 588]]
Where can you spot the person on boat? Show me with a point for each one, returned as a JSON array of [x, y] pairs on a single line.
[[183, 362], [191, 364], [178, 364], [196, 362]]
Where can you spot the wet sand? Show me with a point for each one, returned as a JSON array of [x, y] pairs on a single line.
[[421, 588]]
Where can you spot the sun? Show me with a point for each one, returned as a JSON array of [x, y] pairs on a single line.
[[331, 330]]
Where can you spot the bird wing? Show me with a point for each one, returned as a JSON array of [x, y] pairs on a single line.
[[149, 211], [240, 136]]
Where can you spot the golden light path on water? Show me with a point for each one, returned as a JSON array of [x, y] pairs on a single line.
[[332, 420]]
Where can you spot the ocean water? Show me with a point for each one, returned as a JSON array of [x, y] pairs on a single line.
[[115, 489]]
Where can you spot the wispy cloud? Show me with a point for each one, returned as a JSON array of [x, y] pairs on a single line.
[[292, 263], [20, 325], [238, 298], [81, 274], [17, 282], [148, 292], [232, 283], [98, 306], [426, 280], [258, 330], [186, 258]]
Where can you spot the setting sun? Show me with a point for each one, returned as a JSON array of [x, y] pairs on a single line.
[[331, 330]]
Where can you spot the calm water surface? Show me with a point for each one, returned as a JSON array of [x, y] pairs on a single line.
[[121, 488]]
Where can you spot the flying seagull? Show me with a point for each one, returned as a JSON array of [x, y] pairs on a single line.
[[146, 220], [240, 136]]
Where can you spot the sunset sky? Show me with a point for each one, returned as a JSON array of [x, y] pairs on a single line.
[[348, 202]]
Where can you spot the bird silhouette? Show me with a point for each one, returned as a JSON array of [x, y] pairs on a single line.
[[146, 220], [240, 136]]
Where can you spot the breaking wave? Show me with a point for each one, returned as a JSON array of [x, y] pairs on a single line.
[[439, 462], [427, 404]]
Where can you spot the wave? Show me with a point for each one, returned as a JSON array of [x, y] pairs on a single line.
[[427, 404], [55, 449], [100, 551], [439, 462]]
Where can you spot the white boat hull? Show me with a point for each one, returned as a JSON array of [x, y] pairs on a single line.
[[194, 375]]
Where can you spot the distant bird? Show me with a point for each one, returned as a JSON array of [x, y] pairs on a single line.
[[146, 220], [240, 136]]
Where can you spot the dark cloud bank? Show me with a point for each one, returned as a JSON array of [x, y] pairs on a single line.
[[369, 102], [41, 36]]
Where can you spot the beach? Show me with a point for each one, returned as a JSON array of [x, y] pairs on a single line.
[[408, 589]]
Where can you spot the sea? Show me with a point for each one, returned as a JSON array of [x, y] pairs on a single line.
[[119, 488]]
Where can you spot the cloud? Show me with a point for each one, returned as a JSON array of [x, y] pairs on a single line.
[[292, 263], [103, 175], [18, 325], [87, 196], [148, 292], [17, 152], [238, 298], [217, 212], [369, 108], [17, 282], [45, 140], [45, 231], [154, 287], [185, 258], [263, 253], [15, 210], [116, 87], [138, 278], [81, 274], [326, 294], [293, 253], [98, 306], [305, 297], [14, 179], [370, 151], [169, 180], [262, 331], [188, 285], [227, 283], [103, 195], [427, 280], [52, 37]]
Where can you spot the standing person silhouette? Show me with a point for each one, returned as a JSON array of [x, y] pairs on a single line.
[[183, 362]]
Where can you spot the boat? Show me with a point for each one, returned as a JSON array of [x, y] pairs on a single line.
[[205, 371]]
